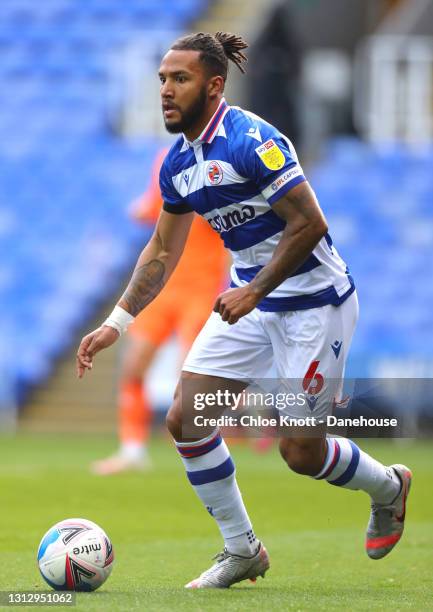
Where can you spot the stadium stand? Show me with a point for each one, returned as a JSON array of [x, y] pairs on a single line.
[[65, 179], [378, 203]]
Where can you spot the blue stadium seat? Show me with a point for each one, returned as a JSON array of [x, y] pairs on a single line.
[[383, 223]]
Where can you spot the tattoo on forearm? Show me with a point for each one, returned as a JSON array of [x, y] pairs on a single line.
[[146, 282]]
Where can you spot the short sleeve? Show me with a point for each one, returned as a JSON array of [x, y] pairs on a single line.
[[271, 164], [173, 201]]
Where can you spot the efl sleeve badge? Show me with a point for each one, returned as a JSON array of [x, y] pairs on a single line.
[[271, 155]]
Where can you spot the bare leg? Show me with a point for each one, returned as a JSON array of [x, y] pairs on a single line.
[[135, 411]]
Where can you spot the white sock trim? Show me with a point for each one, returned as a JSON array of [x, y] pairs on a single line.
[[198, 442]]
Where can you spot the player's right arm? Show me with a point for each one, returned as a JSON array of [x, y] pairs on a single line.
[[154, 267]]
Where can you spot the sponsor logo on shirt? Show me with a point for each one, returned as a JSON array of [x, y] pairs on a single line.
[[224, 223], [271, 155], [285, 178], [336, 347], [254, 133]]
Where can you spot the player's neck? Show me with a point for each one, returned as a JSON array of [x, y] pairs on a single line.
[[195, 131]]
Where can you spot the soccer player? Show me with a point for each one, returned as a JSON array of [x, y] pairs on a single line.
[[291, 301], [198, 279]]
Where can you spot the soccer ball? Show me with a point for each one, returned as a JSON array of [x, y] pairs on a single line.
[[75, 555]]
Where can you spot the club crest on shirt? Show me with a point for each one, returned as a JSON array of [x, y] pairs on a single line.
[[271, 155], [214, 173]]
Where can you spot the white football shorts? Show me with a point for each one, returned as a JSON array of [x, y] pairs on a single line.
[[305, 349]]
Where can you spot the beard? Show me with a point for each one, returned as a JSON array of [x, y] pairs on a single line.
[[190, 116]]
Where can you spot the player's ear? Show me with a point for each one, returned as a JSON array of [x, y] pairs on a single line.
[[215, 86]]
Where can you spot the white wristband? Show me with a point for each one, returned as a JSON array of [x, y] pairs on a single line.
[[119, 320]]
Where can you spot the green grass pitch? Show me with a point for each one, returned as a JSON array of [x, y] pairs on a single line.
[[163, 537]]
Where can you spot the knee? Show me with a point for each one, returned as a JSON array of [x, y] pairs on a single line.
[[174, 423], [173, 420], [302, 457]]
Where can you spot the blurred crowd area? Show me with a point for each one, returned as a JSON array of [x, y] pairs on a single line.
[[349, 81]]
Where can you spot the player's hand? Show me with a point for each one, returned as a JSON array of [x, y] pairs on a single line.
[[91, 344], [236, 303]]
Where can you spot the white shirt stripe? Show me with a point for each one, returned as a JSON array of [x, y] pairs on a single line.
[[197, 176], [306, 283]]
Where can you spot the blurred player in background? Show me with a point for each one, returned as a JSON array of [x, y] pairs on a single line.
[[292, 303], [181, 310]]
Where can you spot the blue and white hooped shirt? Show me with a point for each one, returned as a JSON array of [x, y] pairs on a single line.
[[232, 174]]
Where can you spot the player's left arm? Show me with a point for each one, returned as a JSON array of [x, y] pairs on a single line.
[[305, 226]]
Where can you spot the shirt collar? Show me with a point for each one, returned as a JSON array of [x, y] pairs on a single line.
[[211, 130]]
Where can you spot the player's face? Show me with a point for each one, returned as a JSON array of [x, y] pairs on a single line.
[[184, 92]]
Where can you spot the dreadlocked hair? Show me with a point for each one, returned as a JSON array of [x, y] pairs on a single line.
[[215, 50]]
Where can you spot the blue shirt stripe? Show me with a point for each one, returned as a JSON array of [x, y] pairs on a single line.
[[253, 232], [247, 274], [211, 198], [305, 301]]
